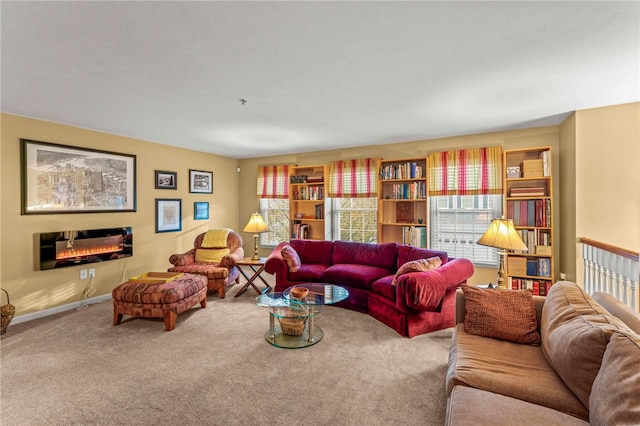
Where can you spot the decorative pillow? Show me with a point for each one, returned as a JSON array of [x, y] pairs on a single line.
[[501, 314], [290, 255], [211, 255], [418, 265]]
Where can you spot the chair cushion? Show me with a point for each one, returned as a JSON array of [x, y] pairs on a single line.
[[506, 315], [215, 238], [619, 309]]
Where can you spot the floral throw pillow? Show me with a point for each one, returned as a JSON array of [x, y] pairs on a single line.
[[291, 257], [418, 265], [501, 314]]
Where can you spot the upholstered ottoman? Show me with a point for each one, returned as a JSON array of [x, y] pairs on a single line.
[[159, 300]]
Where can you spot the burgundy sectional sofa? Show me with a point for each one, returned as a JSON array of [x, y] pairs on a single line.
[[419, 303]]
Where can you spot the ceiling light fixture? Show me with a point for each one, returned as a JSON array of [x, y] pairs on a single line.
[[242, 101]]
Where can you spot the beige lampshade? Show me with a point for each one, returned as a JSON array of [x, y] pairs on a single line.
[[256, 224], [503, 235]]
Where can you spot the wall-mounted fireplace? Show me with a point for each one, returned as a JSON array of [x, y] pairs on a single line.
[[70, 248]]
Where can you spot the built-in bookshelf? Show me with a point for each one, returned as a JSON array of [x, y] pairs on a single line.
[[402, 201], [307, 191], [528, 189]]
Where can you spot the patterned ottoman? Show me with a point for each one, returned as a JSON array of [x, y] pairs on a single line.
[[159, 300]]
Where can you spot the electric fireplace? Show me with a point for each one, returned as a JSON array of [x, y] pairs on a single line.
[[70, 248]]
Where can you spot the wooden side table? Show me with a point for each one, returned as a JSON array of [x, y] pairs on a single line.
[[255, 267]]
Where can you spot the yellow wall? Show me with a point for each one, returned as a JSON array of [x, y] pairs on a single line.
[[566, 175], [32, 290], [543, 136], [607, 177]]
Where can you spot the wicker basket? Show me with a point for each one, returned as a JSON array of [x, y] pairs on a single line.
[[7, 312], [292, 326]]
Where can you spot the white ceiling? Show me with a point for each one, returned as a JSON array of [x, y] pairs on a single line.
[[316, 75]]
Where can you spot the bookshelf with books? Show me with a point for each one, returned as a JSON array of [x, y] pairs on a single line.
[[528, 189], [307, 202], [402, 201]]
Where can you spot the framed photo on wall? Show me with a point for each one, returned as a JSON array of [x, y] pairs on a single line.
[[166, 180], [200, 182], [200, 210], [67, 179], [168, 215]]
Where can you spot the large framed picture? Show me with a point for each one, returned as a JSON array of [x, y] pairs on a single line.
[[166, 180], [168, 215], [65, 179], [200, 210], [200, 182]]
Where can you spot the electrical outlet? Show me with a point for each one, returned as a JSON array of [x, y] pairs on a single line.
[[83, 274], [92, 272]]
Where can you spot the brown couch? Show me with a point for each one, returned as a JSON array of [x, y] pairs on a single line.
[[585, 371], [220, 274]]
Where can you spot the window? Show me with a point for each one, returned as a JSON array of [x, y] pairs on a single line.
[[354, 219], [458, 221], [275, 212]]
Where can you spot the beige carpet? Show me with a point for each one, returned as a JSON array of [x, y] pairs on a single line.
[[216, 368]]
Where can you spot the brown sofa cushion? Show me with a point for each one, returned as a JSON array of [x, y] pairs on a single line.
[[615, 393], [418, 265], [291, 258], [575, 332], [506, 315], [619, 309]]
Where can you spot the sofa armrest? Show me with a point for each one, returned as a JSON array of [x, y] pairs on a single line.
[[183, 259], [276, 265], [425, 291]]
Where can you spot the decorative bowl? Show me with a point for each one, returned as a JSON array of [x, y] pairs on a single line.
[[299, 292]]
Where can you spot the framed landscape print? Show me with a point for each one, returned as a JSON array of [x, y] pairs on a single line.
[[65, 179], [166, 180], [200, 182], [201, 210], [168, 215]]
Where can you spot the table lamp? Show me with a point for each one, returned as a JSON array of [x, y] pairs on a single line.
[[502, 235], [256, 225]]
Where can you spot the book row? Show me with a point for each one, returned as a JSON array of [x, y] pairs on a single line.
[[534, 238], [540, 267], [415, 236], [306, 193], [530, 212], [401, 171], [300, 231], [407, 191], [540, 288]]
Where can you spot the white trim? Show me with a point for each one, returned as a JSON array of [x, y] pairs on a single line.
[[59, 309]]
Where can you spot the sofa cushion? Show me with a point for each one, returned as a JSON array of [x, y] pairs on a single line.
[[380, 255], [511, 369], [575, 332], [311, 272], [384, 288], [211, 255], [506, 315], [290, 256], [615, 307], [407, 253], [314, 251], [418, 265], [470, 407], [359, 276], [614, 395]]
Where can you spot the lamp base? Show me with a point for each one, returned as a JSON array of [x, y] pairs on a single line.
[[256, 256], [501, 285]]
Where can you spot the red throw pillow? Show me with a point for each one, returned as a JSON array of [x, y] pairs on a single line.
[[290, 256], [418, 265], [502, 314]]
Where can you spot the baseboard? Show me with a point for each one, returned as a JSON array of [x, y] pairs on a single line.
[[59, 309]]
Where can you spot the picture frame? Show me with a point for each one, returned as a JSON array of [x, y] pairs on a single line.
[[58, 178], [168, 214], [200, 182], [166, 180], [200, 210]]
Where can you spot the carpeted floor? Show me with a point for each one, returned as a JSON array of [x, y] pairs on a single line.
[[216, 368]]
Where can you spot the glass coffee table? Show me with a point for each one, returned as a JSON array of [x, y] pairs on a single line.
[[296, 317]]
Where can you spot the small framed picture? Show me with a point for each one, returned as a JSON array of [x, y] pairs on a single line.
[[200, 182], [201, 210], [166, 180], [168, 215]]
